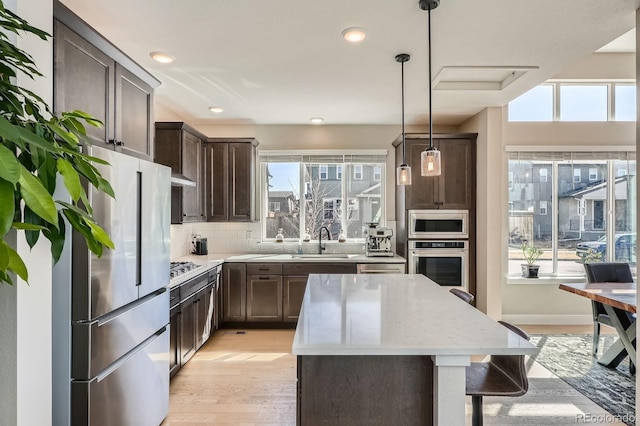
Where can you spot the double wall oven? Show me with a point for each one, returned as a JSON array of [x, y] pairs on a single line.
[[438, 246]]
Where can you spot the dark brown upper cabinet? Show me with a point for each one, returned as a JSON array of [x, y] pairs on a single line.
[[179, 146], [229, 170], [454, 188], [92, 75]]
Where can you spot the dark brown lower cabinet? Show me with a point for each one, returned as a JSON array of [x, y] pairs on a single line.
[[270, 292], [188, 343], [174, 340], [293, 289], [264, 298], [234, 292], [192, 317]]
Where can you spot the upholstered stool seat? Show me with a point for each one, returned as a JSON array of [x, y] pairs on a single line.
[[467, 297], [501, 375]]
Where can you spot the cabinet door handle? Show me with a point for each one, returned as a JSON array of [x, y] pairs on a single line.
[[119, 143], [111, 142], [264, 278]]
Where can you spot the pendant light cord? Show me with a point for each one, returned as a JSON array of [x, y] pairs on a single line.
[[404, 161], [430, 94]]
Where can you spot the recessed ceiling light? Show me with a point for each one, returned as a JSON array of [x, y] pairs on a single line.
[[354, 35], [163, 58], [317, 120], [216, 109]]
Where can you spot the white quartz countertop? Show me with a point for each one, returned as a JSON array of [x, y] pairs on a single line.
[[325, 257], [209, 261], [395, 314]]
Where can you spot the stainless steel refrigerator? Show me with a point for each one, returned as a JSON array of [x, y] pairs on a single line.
[[115, 349]]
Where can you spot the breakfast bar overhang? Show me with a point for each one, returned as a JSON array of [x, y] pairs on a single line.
[[389, 349]]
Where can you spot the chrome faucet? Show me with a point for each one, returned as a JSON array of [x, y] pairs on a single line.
[[320, 248]]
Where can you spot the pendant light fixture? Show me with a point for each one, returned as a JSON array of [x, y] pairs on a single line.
[[403, 173], [430, 164]]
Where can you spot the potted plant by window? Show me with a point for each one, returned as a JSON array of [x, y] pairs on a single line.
[[531, 255]]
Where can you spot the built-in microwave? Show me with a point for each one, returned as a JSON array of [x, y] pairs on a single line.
[[428, 224]]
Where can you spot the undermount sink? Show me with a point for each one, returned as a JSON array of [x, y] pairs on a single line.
[[323, 256]]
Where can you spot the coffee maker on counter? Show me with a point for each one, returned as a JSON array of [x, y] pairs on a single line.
[[377, 240]]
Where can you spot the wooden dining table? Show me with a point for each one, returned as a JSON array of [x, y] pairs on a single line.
[[617, 299]]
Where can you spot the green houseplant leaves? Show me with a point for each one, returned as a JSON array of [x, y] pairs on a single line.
[[35, 148]]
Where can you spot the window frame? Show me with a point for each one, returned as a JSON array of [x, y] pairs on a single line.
[[358, 172], [356, 159], [555, 154], [323, 169], [556, 99]]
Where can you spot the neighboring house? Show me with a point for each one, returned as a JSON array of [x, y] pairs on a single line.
[[582, 201]]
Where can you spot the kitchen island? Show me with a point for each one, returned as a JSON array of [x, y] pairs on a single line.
[[389, 349]]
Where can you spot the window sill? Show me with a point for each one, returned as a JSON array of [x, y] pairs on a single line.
[[546, 280]]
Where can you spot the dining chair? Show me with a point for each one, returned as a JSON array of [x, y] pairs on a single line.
[[604, 272], [467, 297], [501, 375]]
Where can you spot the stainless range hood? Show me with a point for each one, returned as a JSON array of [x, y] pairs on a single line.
[[178, 179]]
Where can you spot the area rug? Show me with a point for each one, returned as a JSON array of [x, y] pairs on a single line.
[[569, 357]]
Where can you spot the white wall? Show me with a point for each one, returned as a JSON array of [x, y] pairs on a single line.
[[25, 326]]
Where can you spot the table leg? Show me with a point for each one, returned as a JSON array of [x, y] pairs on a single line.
[[449, 389], [625, 345]]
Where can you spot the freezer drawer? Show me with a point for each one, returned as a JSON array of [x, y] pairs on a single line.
[[99, 343], [134, 391]]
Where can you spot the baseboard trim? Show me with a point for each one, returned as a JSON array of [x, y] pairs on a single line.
[[549, 319]]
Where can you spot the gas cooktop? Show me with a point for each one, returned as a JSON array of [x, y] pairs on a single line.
[[179, 268]]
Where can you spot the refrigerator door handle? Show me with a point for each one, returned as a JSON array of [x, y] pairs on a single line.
[[139, 230], [100, 377]]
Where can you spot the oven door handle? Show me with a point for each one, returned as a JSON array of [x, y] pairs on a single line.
[[452, 252]]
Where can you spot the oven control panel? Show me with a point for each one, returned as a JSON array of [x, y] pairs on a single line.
[[438, 244]]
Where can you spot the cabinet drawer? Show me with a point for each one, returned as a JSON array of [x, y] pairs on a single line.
[[264, 269], [193, 285], [174, 297], [318, 268]]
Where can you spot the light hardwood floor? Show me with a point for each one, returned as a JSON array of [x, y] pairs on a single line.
[[250, 379]]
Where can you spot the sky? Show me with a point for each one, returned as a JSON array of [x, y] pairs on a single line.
[[286, 177]]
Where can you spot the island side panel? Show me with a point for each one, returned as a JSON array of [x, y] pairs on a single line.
[[364, 390]]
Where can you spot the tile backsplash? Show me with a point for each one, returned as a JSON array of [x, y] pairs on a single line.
[[244, 237]]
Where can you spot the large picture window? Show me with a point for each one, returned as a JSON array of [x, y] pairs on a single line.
[[572, 220], [311, 189]]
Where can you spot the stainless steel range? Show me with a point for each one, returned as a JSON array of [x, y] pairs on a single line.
[[179, 268]]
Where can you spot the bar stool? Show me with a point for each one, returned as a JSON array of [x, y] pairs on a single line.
[[467, 297], [502, 375]]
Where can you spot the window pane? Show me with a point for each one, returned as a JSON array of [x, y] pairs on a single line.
[[625, 214], [283, 200], [323, 201], [535, 105], [583, 103], [581, 213], [529, 223], [625, 103], [363, 198]]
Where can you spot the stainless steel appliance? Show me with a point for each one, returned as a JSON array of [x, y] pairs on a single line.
[[178, 268], [116, 339], [380, 268], [378, 241], [438, 224], [446, 262]]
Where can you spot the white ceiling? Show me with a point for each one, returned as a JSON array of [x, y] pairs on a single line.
[[284, 61]]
